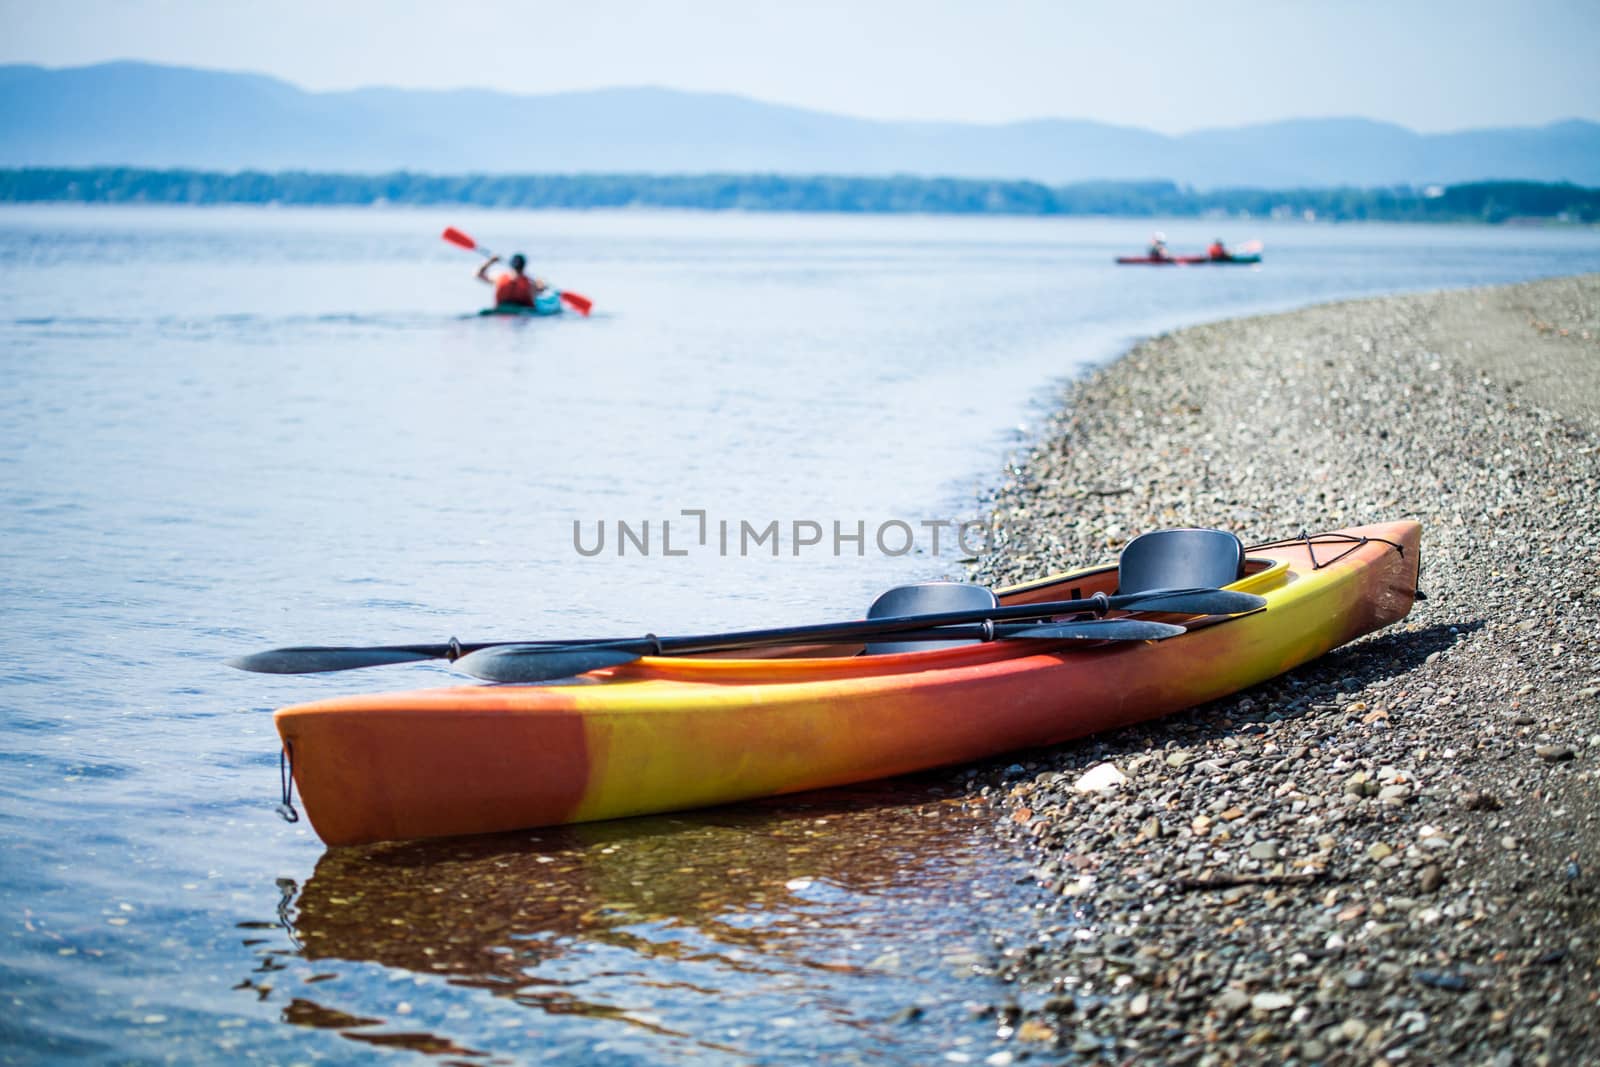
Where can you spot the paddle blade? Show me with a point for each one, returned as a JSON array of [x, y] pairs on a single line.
[[456, 237], [317, 659], [580, 304], [1192, 601], [1098, 630], [535, 663]]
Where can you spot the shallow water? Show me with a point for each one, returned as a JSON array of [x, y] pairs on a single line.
[[228, 429]]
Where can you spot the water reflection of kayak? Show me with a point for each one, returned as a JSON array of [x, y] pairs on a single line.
[[545, 303], [447, 906], [1185, 261], [642, 931]]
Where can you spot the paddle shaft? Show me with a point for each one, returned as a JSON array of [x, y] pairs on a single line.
[[977, 631], [316, 659], [543, 663], [843, 632]]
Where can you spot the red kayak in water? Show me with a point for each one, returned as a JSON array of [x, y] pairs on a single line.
[[1185, 261]]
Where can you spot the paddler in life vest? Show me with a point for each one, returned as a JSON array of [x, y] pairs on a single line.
[[1158, 246], [1218, 250], [513, 289]]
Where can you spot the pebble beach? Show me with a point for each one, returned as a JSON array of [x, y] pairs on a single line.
[[1388, 855]]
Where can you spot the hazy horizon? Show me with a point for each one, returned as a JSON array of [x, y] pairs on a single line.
[[1162, 65], [1349, 116]]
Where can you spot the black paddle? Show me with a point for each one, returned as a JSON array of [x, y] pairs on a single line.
[[544, 663], [314, 659]]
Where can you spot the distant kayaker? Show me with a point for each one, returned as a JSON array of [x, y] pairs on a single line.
[[513, 289], [1218, 250], [1158, 246]]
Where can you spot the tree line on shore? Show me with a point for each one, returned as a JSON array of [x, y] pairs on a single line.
[[1491, 202]]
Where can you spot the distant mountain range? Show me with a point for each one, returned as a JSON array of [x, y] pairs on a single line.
[[139, 114]]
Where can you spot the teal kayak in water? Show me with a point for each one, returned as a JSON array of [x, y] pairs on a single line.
[[547, 302]]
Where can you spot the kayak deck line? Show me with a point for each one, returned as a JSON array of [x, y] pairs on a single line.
[[674, 732]]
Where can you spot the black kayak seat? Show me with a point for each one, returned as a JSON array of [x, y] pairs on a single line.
[[1180, 559], [924, 599]]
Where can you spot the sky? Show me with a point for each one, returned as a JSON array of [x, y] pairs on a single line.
[[1168, 65]]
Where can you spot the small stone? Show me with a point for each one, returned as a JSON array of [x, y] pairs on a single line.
[[1271, 1001], [1264, 850], [1360, 784], [1440, 980], [1508, 843], [1379, 851], [1357, 979], [1179, 758], [1476, 800], [1553, 753], [1431, 878], [1034, 1030], [1231, 1001], [1139, 1005], [1100, 778], [1394, 794]]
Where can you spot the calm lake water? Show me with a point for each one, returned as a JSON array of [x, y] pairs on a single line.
[[222, 430]]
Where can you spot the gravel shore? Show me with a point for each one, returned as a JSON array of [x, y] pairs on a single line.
[[1403, 837]]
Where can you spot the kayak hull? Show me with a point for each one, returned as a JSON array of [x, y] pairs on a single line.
[[547, 302], [1186, 261], [667, 733]]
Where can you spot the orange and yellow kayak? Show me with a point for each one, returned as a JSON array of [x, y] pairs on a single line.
[[673, 732]]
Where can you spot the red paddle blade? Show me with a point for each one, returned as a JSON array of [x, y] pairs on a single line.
[[580, 304], [456, 237]]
